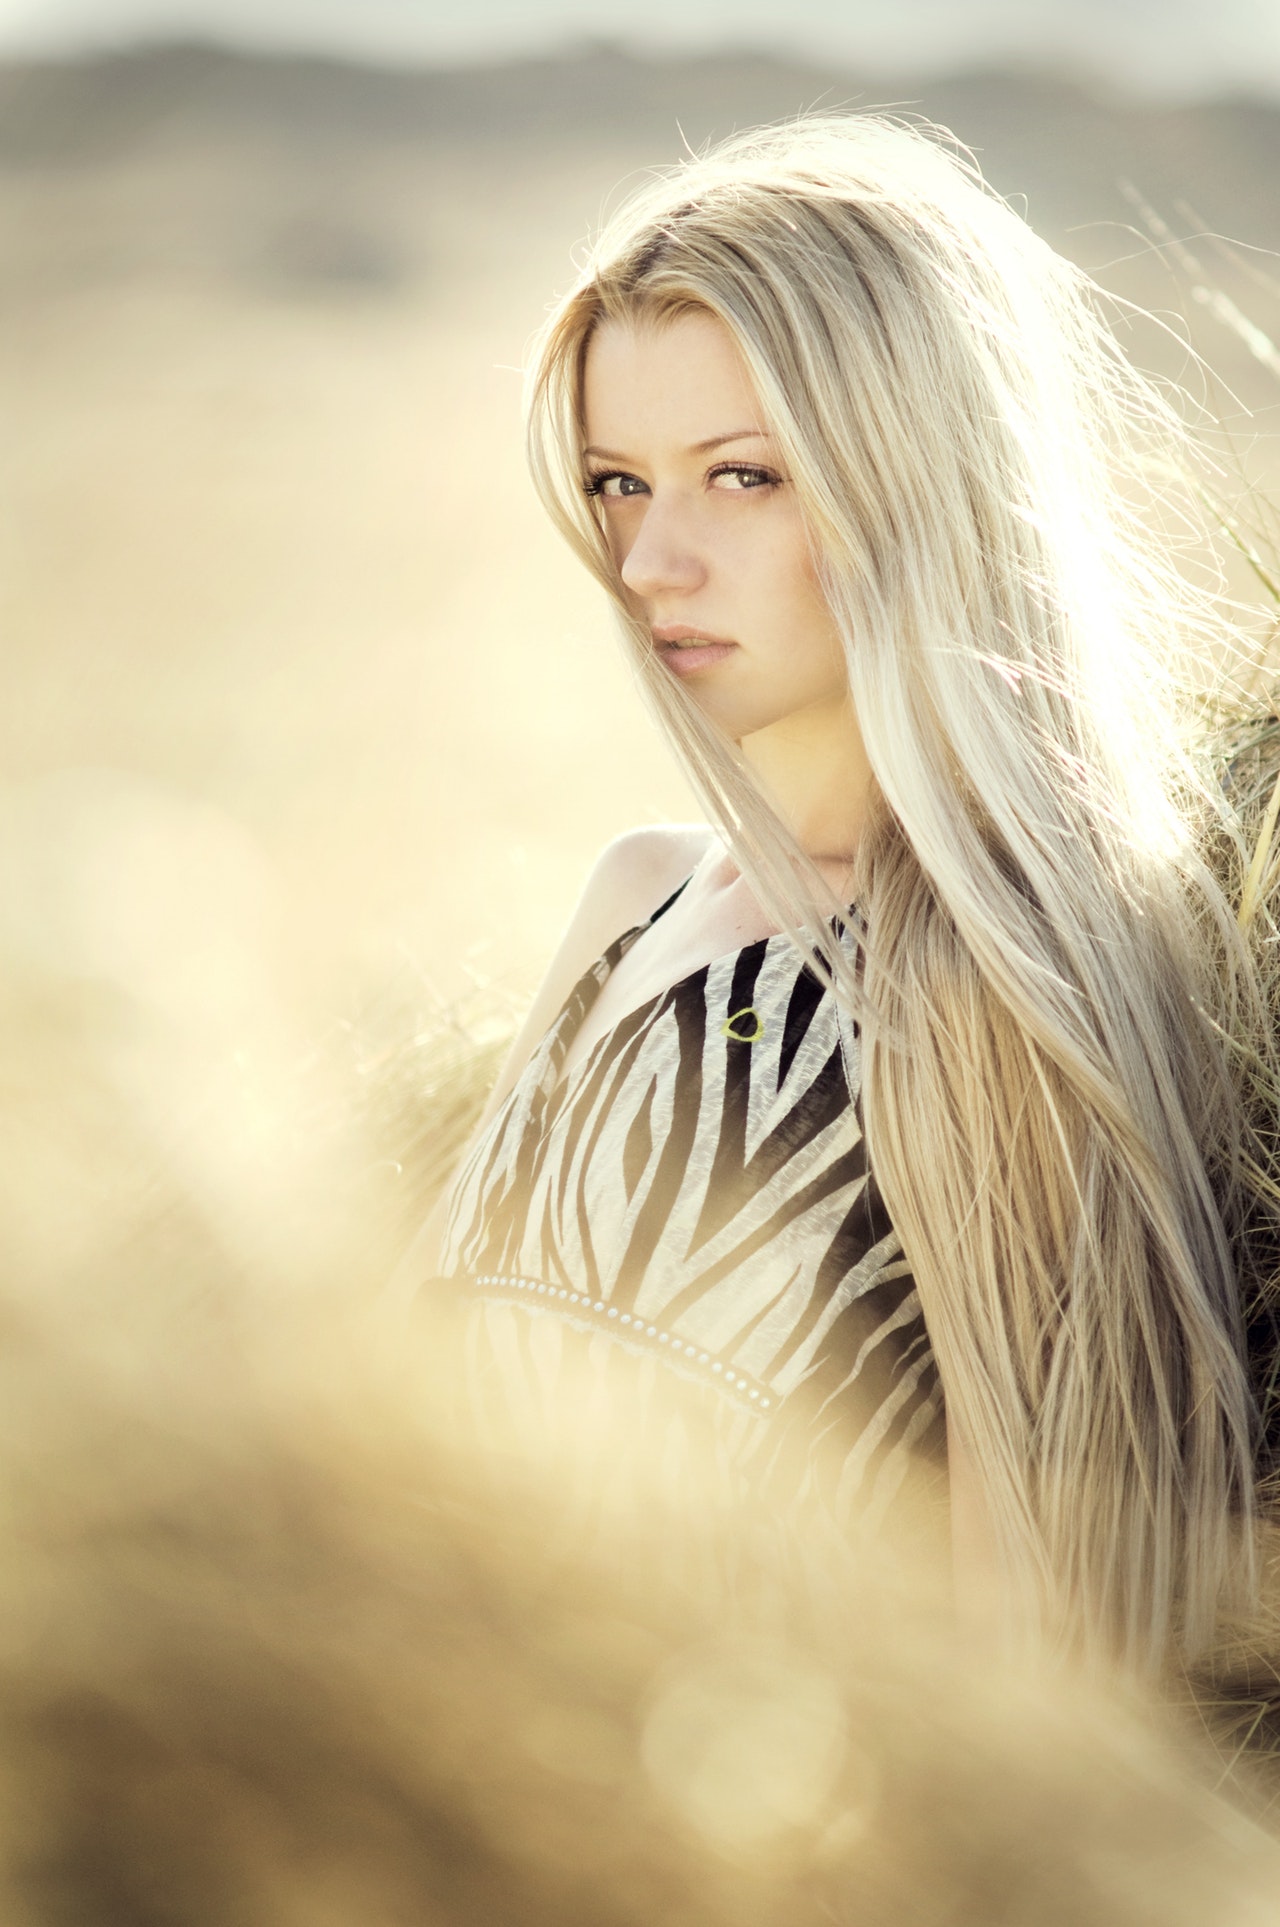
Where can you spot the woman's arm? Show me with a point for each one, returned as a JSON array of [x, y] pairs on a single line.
[[630, 878]]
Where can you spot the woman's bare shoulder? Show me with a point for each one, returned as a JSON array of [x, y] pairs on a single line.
[[638, 871], [630, 878], [632, 875]]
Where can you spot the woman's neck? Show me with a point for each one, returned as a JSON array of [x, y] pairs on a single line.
[[813, 768]]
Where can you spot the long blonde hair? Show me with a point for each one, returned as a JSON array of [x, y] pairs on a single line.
[[1047, 967]]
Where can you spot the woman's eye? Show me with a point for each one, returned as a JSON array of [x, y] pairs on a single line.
[[614, 484], [740, 477]]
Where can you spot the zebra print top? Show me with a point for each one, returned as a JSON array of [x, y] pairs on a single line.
[[695, 1192]]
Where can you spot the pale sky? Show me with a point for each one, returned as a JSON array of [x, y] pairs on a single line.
[[1158, 46]]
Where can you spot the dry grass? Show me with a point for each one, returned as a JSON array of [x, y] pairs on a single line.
[[282, 1639]]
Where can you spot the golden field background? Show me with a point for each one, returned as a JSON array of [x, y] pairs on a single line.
[[268, 552]]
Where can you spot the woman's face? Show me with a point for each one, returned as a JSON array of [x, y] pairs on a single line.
[[703, 523]]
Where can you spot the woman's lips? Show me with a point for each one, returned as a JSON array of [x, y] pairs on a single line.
[[685, 651]]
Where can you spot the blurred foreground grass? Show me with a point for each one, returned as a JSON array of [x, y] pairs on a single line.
[[283, 1639]]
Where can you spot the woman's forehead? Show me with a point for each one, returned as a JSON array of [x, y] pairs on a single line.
[[680, 379]]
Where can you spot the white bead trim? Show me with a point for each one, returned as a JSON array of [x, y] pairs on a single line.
[[727, 1377]]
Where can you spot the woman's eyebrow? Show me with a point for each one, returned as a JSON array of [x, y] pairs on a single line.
[[695, 448], [738, 435]]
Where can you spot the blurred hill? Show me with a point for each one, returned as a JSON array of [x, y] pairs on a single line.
[[288, 127], [265, 537]]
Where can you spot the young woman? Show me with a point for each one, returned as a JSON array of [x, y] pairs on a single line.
[[908, 1086]]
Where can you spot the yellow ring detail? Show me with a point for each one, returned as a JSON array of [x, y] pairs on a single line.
[[740, 1037]]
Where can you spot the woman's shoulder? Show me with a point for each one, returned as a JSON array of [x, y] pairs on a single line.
[[636, 872], [632, 876]]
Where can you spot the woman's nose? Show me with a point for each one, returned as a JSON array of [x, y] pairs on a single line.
[[662, 556]]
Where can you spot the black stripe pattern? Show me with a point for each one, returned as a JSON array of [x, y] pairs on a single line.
[[696, 1190]]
